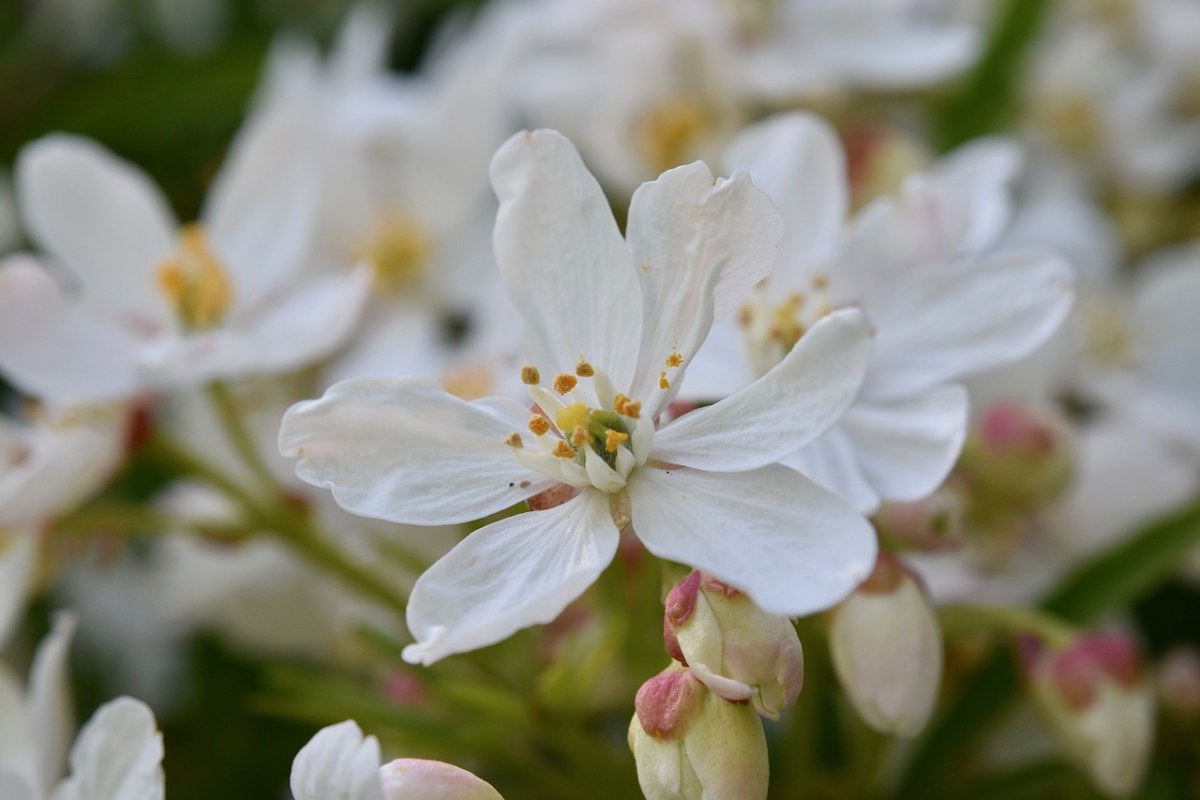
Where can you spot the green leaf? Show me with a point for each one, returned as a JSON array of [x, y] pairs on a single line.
[[1123, 575]]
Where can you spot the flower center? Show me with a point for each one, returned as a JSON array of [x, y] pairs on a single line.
[[670, 134], [771, 329], [584, 435], [400, 250], [195, 282], [1108, 338], [1070, 118]]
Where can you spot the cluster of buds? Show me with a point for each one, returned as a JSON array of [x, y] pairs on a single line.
[[696, 734], [1094, 696], [887, 649]]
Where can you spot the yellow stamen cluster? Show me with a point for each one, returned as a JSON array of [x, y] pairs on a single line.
[[400, 250], [670, 134], [195, 282]]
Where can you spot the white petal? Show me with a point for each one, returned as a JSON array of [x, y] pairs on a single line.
[[831, 462], [417, 779], [721, 366], [514, 573], [118, 756], [797, 159], [964, 317], [339, 763], [408, 451], [906, 447], [301, 327], [261, 210], [48, 701], [780, 412], [978, 177], [793, 547], [60, 350], [904, 56], [14, 787], [101, 217], [563, 260], [700, 245], [18, 561]]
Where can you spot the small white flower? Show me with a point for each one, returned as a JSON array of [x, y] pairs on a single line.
[[941, 308], [612, 323], [148, 305]]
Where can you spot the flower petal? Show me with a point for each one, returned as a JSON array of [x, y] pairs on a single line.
[[48, 704], [261, 210], [101, 217], [964, 317], [797, 159], [780, 412], [59, 350], [831, 462], [514, 573], [906, 447], [18, 561], [339, 763], [700, 244], [563, 260], [790, 545], [118, 756], [408, 451], [300, 328]]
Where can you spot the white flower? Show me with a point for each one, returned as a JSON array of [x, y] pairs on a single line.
[[615, 321], [148, 305], [941, 308], [116, 756], [339, 763]]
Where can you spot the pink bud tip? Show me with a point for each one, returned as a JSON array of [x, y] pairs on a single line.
[[666, 702], [1009, 427]]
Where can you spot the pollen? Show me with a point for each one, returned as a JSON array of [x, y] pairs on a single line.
[[663, 383], [514, 440], [613, 439], [579, 436], [564, 383], [563, 450], [539, 425], [583, 369], [626, 407], [400, 250], [530, 375], [674, 360], [195, 282], [820, 281]]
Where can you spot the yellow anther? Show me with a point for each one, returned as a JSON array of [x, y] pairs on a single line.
[[583, 369], [572, 416], [539, 425], [663, 383], [530, 375], [674, 360], [820, 281], [514, 440], [563, 450], [195, 282], [612, 439], [579, 436], [564, 383], [626, 407], [400, 249], [669, 134], [745, 316]]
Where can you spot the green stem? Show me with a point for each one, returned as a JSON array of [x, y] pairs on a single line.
[[1005, 620], [127, 519], [238, 433]]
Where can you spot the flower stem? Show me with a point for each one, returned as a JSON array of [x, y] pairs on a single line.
[[239, 435], [1006, 620]]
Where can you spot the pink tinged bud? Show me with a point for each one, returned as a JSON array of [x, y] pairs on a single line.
[[691, 744], [936, 522], [417, 779], [887, 650], [736, 649], [1093, 695], [1018, 453]]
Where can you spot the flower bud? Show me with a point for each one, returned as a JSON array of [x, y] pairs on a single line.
[[418, 779], [1094, 697], [933, 523], [692, 744], [735, 648], [1018, 455], [887, 650]]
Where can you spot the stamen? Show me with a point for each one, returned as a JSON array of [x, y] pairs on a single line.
[[626, 407], [663, 383], [564, 383], [674, 360], [820, 281], [539, 425], [530, 375], [613, 439], [514, 440], [579, 436], [583, 369], [563, 450]]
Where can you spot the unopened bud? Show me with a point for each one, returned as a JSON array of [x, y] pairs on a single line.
[[418, 779], [932, 523], [1017, 454], [735, 648], [1094, 696], [692, 744], [887, 650]]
